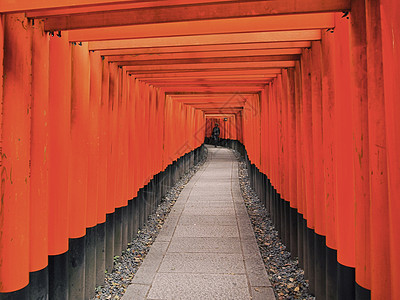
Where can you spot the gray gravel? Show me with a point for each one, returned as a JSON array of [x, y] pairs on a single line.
[[286, 277], [126, 265]]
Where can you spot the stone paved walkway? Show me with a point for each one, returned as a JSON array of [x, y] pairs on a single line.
[[206, 248]]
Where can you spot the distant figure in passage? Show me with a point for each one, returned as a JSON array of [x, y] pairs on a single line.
[[215, 134]]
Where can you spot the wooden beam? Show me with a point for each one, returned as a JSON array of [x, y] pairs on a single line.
[[199, 73], [209, 66], [236, 25], [210, 84], [213, 39], [241, 89], [208, 54], [49, 10], [205, 11], [205, 48], [240, 77], [210, 60]]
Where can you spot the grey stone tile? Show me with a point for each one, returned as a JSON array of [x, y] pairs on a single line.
[[145, 275], [256, 272], [216, 245], [246, 232], [207, 263], [210, 211], [136, 292], [180, 286], [250, 248], [199, 198], [262, 293], [206, 231], [207, 220], [212, 204]]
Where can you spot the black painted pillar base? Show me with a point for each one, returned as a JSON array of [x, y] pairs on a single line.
[[300, 240], [305, 246], [90, 262], [125, 227], [320, 266], [39, 284], [130, 220], [76, 268], [135, 216], [146, 204], [109, 242], [58, 276], [346, 282], [362, 293], [286, 223], [331, 274], [118, 231], [311, 259], [100, 253], [17, 295], [293, 231]]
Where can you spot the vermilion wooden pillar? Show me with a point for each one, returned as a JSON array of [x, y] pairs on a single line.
[[131, 136], [59, 155], [318, 171], [307, 150], [390, 11], [328, 121], [300, 191], [284, 132], [380, 239], [279, 167], [292, 144], [285, 158], [359, 101], [94, 161], [78, 169], [119, 140], [91, 270], [80, 89], [15, 152], [112, 147], [125, 140], [38, 235], [344, 162], [103, 142]]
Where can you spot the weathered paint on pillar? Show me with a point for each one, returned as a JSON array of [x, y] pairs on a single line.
[[390, 10], [344, 162], [359, 97], [380, 240], [328, 121], [94, 158], [59, 142], [39, 206], [103, 143], [317, 120], [15, 152], [78, 167]]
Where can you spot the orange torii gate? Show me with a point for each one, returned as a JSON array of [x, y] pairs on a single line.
[[104, 104]]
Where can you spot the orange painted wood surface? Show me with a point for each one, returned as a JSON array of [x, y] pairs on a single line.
[[39, 156], [15, 136]]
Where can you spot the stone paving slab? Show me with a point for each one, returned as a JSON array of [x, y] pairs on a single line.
[[205, 245], [207, 220], [199, 286], [203, 263], [206, 248], [206, 231]]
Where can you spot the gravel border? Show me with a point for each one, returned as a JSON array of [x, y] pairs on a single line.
[[286, 277], [126, 265]]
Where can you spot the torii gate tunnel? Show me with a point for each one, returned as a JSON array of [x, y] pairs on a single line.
[[105, 104]]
